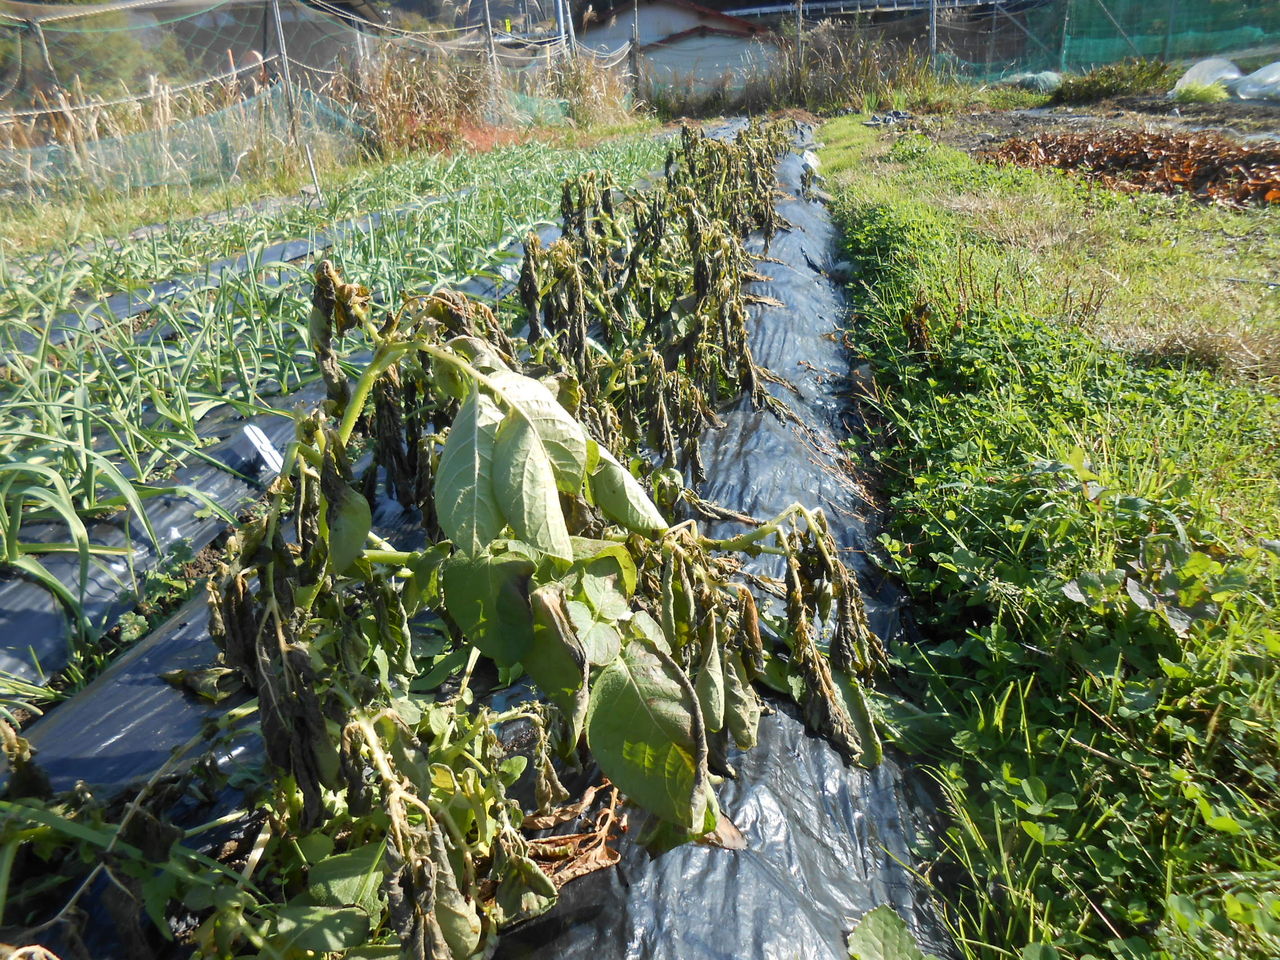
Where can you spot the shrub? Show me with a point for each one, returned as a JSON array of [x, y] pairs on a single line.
[[1133, 76]]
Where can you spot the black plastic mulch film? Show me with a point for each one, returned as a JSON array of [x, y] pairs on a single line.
[[826, 842], [34, 626]]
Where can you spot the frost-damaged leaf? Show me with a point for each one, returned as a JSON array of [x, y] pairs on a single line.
[[741, 706], [348, 514], [571, 452], [487, 598], [883, 935], [710, 684], [457, 916], [525, 484], [466, 505], [622, 499], [556, 660], [644, 728], [524, 891]]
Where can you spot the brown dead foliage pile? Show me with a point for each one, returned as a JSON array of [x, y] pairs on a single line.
[[1208, 165]]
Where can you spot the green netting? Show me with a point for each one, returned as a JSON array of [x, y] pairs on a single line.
[[537, 110], [1078, 35], [217, 147]]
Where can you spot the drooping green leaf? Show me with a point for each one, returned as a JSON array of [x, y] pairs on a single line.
[[349, 523], [741, 705], [622, 499], [883, 935], [457, 916], [524, 890], [525, 485], [568, 447], [487, 596], [556, 661], [644, 729], [710, 685], [465, 501]]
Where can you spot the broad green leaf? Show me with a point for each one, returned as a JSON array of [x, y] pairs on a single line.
[[464, 494], [349, 523], [644, 730], [600, 588], [622, 499], [322, 929], [607, 555], [525, 485], [567, 444], [599, 637], [487, 596], [350, 879], [883, 935]]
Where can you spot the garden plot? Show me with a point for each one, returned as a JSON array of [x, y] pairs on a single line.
[[544, 473], [125, 415]]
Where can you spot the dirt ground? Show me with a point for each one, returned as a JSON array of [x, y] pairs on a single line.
[[974, 131]]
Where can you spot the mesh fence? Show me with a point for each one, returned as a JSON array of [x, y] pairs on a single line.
[[1078, 35], [148, 92]]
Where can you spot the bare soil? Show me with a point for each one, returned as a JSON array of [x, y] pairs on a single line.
[[1250, 120]]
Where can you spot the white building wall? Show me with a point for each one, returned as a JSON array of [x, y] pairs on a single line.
[[657, 21], [699, 63]]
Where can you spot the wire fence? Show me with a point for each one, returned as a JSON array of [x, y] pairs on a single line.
[[148, 92], [154, 92]]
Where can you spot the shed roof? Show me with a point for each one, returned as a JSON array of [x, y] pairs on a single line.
[[724, 23]]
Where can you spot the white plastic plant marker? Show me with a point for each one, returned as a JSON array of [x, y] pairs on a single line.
[[266, 449]]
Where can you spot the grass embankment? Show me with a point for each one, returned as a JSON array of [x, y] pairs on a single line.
[[1086, 535]]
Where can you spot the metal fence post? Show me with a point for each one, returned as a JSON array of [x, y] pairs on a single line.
[[633, 55], [933, 33], [285, 74]]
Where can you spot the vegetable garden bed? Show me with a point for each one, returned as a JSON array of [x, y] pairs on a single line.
[[575, 505]]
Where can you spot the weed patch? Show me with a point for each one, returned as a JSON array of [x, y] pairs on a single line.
[[1087, 540], [1156, 275], [1133, 76]]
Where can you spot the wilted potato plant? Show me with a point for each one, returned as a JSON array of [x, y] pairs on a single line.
[[547, 471]]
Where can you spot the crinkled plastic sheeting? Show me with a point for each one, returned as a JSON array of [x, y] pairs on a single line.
[[1262, 84], [1206, 72], [826, 842]]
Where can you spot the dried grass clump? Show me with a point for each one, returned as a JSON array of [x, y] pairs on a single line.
[[832, 67]]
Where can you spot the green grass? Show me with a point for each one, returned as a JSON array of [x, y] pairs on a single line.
[[1088, 536], [1201, 93], [1162, 276]]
